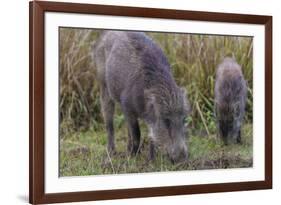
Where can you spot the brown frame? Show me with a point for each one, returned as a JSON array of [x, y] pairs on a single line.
[[36, 101]]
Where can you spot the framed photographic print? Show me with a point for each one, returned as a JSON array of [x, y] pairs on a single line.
[[139, 102]]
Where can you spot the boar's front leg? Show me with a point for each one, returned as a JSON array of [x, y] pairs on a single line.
[[134, 135], [129, 110], [238, 140], [133, 129], [107, 105]]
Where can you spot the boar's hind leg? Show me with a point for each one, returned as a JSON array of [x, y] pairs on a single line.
[[107, 105]]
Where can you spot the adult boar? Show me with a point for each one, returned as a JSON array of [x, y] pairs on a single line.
[[230, 100], [133, 71]]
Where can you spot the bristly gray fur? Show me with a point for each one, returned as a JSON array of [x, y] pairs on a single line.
[[230, 100], [133, 71]]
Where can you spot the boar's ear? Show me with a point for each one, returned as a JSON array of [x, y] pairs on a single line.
[[185, 99], [183, 91]]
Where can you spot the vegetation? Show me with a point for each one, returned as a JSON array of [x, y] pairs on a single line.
[[193, 60], [84, 153]]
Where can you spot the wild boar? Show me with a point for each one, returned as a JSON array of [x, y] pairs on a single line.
[[133, 71], [230, 100]]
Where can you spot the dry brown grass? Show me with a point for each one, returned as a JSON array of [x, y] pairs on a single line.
[[193, 59]]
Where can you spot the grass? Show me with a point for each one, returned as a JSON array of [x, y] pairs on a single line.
[[85, 153]]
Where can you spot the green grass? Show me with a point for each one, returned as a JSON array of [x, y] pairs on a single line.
[[85, 153]]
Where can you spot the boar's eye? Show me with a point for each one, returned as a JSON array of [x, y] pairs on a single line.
[[167, 123]]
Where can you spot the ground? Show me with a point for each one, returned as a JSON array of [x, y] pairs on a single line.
[[85, 153]]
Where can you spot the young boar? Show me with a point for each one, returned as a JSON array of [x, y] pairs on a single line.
[[134, 72], [230, 100]]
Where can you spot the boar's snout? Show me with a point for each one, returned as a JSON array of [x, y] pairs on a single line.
[[178, 154]]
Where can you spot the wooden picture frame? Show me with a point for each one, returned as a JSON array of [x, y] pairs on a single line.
[[37, 10]]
